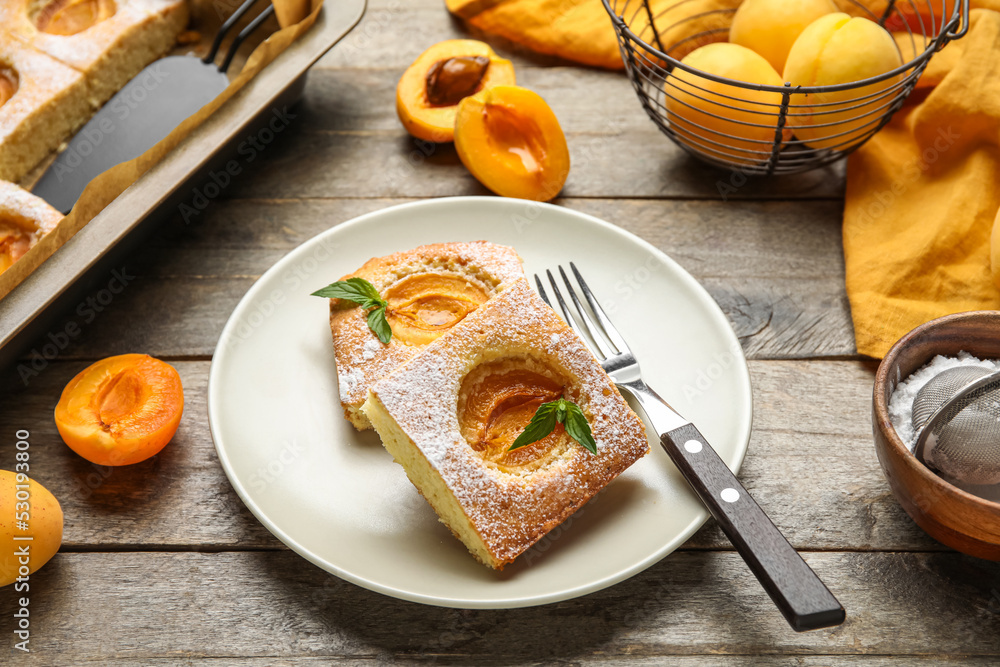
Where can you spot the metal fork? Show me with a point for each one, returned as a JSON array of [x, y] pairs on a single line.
[[805, 601]]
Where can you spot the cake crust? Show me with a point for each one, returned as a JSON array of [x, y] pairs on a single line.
[[500, 513], [50, 103], [361, 358]]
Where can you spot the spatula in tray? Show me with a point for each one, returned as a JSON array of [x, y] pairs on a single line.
[[149, 107]]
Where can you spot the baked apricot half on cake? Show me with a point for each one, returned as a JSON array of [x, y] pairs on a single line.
[[24, 220], [511, 141], [8, 84], [68, 17], [121, 410], [393, 306], [428, 94]]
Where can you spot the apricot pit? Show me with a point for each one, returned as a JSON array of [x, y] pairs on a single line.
[[430, 90]]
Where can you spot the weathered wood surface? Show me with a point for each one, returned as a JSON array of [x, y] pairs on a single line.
[[345, 141], [775, 268], [811, 465], [263, 604], [163, 565]]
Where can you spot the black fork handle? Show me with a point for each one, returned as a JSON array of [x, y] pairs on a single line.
[[805, 601]]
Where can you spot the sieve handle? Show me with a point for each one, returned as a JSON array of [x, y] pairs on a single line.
[[805, 601]]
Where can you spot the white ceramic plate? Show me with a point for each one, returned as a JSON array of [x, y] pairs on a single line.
[[335, 496]]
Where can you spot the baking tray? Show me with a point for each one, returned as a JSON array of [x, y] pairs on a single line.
[[38, 303]]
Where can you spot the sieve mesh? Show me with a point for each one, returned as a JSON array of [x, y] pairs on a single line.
[[957, 415]]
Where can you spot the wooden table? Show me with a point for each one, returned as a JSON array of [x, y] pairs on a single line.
[[161, 562]]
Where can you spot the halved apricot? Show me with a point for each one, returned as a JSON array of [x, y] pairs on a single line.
[[121, 410], [430, 89], [511, 141]]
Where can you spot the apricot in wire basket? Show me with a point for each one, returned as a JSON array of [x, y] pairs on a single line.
[[838, 49], [121, 410], [511, 141], [429, 91], [769, 27], [723, 121]]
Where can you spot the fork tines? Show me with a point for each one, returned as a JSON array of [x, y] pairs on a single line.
[[601, 331]]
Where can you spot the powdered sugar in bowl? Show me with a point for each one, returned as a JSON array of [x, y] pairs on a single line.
[[951, 515]]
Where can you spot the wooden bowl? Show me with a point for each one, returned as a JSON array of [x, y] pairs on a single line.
[[950, 515]]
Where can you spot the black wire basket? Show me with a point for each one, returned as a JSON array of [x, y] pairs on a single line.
[[769, 129]]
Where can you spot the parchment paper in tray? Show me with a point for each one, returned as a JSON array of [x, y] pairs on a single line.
[[106, 187]]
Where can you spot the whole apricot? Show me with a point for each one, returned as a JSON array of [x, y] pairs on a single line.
[[121, 410], [511, 141], [29, 511], [770, 27], [721, 120], [837, 49], [430, 89]]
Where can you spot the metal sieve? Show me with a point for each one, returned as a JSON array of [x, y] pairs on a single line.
[[957, 418]]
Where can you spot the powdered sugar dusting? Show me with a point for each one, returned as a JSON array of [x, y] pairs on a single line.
[[356, 347], [349, 381], [371, 348], [901, 407], [28, 211], [511, 511]]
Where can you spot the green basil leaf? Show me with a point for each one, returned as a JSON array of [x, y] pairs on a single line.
[[541, 424], [378, 324], [356, 290], [578, 428]]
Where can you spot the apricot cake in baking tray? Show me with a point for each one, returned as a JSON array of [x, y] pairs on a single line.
[[61, 59], [24, 219], [42, 101], [450, 415], [428, 291]]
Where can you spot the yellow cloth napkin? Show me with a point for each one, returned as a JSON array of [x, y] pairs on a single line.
[[581, 30], [922, 197]]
